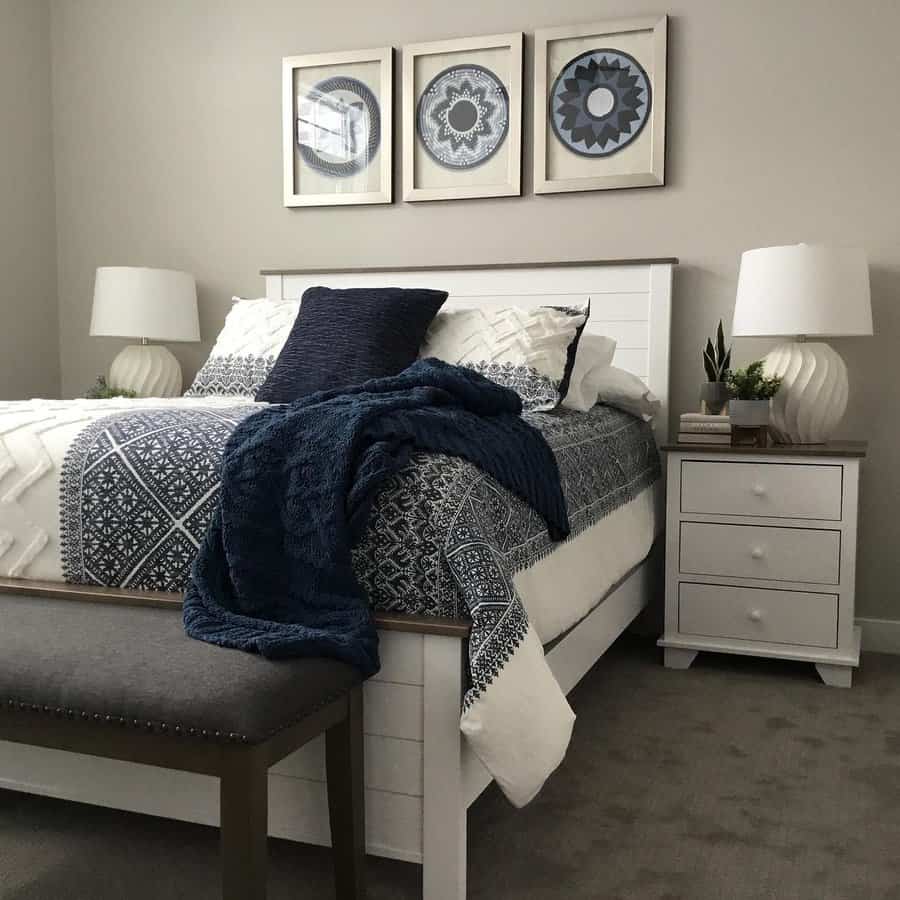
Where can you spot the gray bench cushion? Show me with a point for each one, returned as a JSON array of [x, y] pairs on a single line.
[[135, 663]]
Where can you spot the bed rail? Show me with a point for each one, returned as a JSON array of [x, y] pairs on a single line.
[[95, 593]]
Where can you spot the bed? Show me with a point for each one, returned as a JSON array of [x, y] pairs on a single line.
[[422, 773]]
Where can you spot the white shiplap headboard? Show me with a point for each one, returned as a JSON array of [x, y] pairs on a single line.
[[631, 301]]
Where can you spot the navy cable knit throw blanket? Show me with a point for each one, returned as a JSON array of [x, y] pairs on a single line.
[[274, 573]]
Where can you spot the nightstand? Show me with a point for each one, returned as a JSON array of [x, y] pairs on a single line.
[[761, 554]]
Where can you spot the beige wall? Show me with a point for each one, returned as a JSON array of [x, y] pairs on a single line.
[[782, 127], [29, 357]]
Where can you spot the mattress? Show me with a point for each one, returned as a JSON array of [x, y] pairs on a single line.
[[118, 493]]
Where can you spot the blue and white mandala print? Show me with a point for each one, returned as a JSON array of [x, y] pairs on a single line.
[[600, 102], [463, 116]]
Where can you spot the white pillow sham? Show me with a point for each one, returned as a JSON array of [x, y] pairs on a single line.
[[523, 348], [595, 351], [246, 348], [618, 388]]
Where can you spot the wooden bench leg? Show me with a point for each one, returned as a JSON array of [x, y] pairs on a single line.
[[244, 825], [346, 800]]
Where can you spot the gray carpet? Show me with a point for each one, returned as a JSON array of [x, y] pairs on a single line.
[[738, 779]]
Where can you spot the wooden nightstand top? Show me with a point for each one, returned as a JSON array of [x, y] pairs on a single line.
[[844, 449]]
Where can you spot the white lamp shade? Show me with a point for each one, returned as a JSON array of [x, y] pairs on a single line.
[[158, 304], [803, 289]]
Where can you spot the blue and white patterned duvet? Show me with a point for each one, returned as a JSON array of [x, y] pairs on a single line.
[[137, 489]]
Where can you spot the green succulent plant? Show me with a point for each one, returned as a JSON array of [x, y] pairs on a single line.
[[717, 360], [103, 391], [752, 383]]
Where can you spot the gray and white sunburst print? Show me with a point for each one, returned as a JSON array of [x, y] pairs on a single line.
[[463, 116], [600, 102]]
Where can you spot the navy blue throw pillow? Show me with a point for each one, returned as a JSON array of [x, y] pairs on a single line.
[[344, 337]]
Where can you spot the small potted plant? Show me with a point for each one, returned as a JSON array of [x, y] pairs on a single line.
[[716, 362], [750, 392], [101, 390]]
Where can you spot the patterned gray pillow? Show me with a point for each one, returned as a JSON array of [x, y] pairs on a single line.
[[246, 348], [528, 349]]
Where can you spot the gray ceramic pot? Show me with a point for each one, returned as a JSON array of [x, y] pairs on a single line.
[[714, 396], [749, 413]]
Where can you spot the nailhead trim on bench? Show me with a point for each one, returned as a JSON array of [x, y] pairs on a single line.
[[164, 727]]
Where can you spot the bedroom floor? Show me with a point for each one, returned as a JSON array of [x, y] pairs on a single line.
[[738, 779]]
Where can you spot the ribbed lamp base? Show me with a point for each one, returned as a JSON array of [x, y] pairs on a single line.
[[149, 370], [813, 395]]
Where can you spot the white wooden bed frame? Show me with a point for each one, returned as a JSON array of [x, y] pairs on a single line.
[[421, 777]]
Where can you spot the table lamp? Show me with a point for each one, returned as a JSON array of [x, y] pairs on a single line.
[[800, 291], [149, 304]]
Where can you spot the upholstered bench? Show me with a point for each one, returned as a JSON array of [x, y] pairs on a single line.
[[124, 682]]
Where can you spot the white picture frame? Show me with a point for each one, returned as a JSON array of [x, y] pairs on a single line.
[[636, 156], [321, 184], [499, 174]]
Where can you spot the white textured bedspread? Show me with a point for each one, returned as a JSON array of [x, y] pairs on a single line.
[[34, 438]]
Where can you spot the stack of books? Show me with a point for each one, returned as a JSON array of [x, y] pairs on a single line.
[[699, 428]]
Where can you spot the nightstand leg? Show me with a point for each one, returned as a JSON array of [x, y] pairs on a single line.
[[835, 676], [678, 658]]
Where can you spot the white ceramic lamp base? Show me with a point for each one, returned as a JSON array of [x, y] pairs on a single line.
[[813, 394], [150, 370]]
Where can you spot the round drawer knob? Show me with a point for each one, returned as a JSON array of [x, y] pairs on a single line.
[[757, 553], [755, 615], [758, 490]]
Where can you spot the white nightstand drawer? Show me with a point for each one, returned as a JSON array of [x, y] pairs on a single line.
[[791, 491], [758, 614], [810, 555]]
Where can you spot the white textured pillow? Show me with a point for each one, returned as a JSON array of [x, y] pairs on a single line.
[[246, 348], [595, 351], [522, 348], [616, 387]]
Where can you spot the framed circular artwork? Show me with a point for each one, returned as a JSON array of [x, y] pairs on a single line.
[[600, 102], [462, 116], [336, 118], [600, 105], [346, 130]]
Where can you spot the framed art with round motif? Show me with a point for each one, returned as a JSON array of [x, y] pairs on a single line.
[[600, 106], [462, 118], [337, 128]]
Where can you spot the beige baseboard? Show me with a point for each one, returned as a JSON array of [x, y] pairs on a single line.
[[880, 635]]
